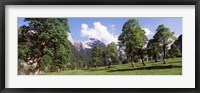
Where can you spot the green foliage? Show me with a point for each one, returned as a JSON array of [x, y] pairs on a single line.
[[96, 56], [111, 51], [133, 38], [174, 51], [44, 42], [46, 61], [61, 55], [48, 51], [164, 37], [80, 64], [22, 51], [31, 68], [153, 49]]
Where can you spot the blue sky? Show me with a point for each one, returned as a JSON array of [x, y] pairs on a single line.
[[108, 29]]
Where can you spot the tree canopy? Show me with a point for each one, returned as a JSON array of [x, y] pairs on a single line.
[[44, 42], [164, 36], [153, 49], [96, 56], [133, 38]]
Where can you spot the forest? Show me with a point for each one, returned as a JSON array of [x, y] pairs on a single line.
[[44, 49]]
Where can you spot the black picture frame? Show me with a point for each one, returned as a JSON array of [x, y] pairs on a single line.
[[3, 3]]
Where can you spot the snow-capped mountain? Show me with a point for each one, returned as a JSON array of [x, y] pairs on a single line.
[[81, 50], [88, 44]]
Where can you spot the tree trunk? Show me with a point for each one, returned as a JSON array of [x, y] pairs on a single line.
[[164, 56], [37, 69], [36, 72], [38, 65], [88, 66], [142, 60], [155, 57], [132, 62], [105, 62], [109, 64]]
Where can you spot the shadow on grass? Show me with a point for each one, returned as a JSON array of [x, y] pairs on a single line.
[[147, 68], [162, 62], [103, 69], [176, 62]]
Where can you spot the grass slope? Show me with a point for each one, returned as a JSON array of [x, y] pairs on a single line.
[[173, 67]]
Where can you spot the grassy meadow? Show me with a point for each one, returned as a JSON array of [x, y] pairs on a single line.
[[173, 67]]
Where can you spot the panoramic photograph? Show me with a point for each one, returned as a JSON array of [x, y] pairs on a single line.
[[100, 46]]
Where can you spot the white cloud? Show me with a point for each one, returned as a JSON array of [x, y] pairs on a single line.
[[99, 32], [148, 32]]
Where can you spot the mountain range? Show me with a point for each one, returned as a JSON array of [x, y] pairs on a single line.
[[81, 50]]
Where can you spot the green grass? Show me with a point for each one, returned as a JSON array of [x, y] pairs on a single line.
[[173, 67]]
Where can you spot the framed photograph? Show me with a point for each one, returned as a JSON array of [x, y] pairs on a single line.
[[99, 46]]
